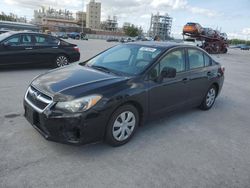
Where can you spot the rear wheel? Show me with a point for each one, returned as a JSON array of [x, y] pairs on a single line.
[[209, 99], [208, 49], [61, 60], [224, 50], [122, 125]]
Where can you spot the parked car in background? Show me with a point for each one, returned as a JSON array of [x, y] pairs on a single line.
[[244, 47], [129, 39], [122, 40], [139, 38], [193, 41], [112, 39], [74, 35], [223, 36], [19, 48], [192, 28], [62, 35], [236, 46], [108, 96], [147, 39]]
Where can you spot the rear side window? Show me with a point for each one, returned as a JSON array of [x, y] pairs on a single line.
[[46, 40], [26, 40], [53, 41], [196, 59], [40, 39], [207, 60]]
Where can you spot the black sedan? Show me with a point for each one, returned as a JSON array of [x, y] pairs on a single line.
[[110, 95], [19, 48]]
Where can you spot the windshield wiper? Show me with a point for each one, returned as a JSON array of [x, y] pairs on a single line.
[[105, 69]]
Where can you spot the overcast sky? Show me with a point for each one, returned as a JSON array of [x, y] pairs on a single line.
[[232, 17]]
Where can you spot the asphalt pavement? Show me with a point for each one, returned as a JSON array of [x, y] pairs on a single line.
[[189, 148]]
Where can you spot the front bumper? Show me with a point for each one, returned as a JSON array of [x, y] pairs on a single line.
[[64, 128]]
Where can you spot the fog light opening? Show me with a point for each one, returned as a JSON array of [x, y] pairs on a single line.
[[73, 136]]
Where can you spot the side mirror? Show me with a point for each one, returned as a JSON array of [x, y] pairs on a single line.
[[167, 72]]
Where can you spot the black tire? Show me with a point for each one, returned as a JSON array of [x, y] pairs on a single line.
[[60, 61], [115, 118], [208, 50], [207, 102], [225, 50]]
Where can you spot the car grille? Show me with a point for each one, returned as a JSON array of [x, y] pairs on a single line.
[[37, 100]]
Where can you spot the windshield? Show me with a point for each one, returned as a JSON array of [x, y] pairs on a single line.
[[4, 36], [127, 59]]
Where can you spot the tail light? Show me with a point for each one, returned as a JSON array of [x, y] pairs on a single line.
[[222, 70], [76, 49]]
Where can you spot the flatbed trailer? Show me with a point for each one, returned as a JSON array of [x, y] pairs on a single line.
[[213, 45]]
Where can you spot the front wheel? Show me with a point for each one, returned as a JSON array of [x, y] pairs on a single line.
[[61, 60], [122, 125], [209, 99]]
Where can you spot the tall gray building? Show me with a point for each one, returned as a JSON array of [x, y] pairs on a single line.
[[93, 18], [160, 25]]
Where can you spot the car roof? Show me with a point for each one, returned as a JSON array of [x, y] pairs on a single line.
[[158, 44], [26, 32]]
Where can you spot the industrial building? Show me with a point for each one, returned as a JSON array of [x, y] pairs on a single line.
[[110, 24], [160, 25], [55, 20], [93, 20]]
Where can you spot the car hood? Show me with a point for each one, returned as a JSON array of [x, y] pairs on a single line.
[[73, 82]]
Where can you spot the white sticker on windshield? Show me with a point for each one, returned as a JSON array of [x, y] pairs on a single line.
[[147, 49]]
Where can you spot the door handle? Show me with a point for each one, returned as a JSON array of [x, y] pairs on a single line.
[[28, 48], [185, 80]]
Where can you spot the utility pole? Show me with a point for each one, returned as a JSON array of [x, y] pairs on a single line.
[[82, 13]]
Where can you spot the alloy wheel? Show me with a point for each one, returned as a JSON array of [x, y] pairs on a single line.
[[210, 97], [61, 61]]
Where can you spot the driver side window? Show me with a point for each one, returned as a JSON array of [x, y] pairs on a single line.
[[174, 59], [14, 41]]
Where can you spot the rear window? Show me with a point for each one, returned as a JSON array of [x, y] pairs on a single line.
[[63, 43]]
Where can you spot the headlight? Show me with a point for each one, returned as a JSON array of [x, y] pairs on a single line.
[[78, 105]]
